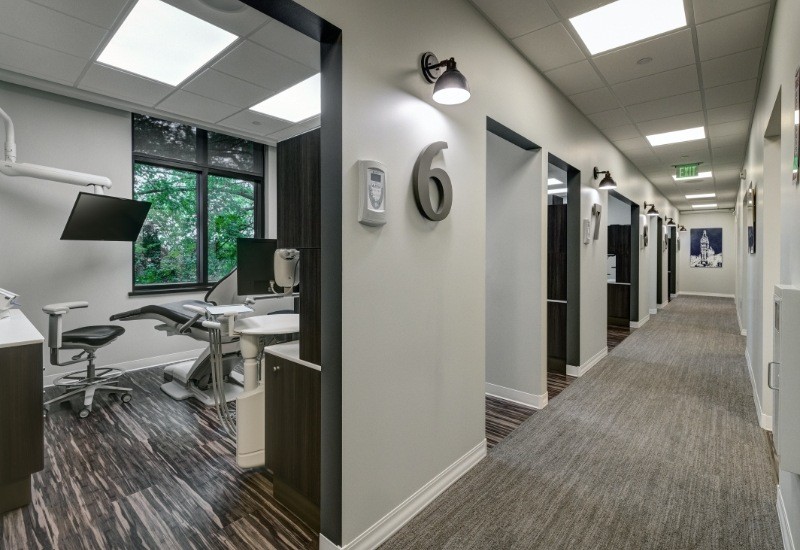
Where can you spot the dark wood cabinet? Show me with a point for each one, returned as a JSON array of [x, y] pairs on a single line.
[[293, 436], [619, 304], [21, 423], [298, 173]]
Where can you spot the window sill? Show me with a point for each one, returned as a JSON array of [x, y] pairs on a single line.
[[179, 290]]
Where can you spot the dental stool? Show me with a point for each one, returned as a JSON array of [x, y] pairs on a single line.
[[88, 340]]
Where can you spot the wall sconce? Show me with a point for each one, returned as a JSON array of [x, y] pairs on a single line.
[[450, 87], [671, 223], [652, 212], [607, 182], [682, 229]]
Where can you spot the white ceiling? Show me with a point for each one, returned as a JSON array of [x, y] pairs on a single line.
[[704, 74], [52, 45]]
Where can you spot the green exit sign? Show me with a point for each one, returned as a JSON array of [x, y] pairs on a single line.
[[686, 171]]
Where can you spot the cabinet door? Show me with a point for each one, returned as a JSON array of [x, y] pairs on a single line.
[[298, 172]]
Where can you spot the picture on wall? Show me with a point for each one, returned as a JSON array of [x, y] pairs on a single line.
[[705, 249]]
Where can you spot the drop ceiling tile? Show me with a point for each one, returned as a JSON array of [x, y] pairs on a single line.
[[571, 8], [610, 119], [287, 133], [102, 13], [517, 17], [666, 107], [657, 86], [729, 154], [595, 101], [262, 67], [667, 52], [241, 22], [736, 128], [549, 48], [289, 43], [670, 124], [682, 153], [644, 157], [622, 132], [34, 60], [49, 28], [119, 84], [730, 140], [730, 113], [228, 89], [576, 78], [730, 94], [735, 33], [633, 145], [253, 122], [731, 68], [705, 10], [197, 107]]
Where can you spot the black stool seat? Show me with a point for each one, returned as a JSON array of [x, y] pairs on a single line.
[[93, 336]]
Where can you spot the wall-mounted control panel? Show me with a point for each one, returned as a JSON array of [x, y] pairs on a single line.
[[371, 192]]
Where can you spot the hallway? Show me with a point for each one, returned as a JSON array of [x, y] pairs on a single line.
[[657, 447]]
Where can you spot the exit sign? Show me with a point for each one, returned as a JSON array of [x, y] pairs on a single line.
[[686, 171]]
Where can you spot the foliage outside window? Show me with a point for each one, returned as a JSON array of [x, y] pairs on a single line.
[[206, 191]]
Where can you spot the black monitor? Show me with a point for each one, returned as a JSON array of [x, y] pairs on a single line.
[[104, 218], [255, 265]]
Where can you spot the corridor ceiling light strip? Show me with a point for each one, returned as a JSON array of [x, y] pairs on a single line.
[[294, 104], [554, 181], [713, 205], [702, 196], [556, 191], [679, 136], [701, 175], [627, 21], [163, 43]]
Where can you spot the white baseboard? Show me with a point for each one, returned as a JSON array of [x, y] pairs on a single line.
[[640, 322], [572, 370], [662, 306], [709, 294], [783, 518], [764, 420], [413, 505], [742, 330], [136, 364], [653, 311], [517, 396]]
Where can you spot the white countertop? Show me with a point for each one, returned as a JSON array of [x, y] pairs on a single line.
[[286, 323], [18, 331], [291, 352]]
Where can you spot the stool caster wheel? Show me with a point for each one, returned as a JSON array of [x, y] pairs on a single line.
[[126, 398], [83, 413]]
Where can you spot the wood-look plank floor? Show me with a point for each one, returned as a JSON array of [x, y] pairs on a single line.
[[616, 335], [503, 417], [153, 473]]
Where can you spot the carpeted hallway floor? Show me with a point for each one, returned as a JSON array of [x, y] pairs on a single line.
[[657, 447]]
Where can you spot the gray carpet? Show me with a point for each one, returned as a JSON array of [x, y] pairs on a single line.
[[658, 446]]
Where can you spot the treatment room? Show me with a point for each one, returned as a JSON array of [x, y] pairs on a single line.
[[159, 201]]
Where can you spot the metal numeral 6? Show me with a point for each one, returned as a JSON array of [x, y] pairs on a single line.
[[423, 173]]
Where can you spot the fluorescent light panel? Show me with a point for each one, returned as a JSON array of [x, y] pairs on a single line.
[[554, 181], [702, 196], [700, 175], [294, 104], [713, 205], [557, 191], [163, 43], [627, 21], [679, 136]]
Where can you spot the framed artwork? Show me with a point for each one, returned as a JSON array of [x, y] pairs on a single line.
[[750, 217], [705, 249]]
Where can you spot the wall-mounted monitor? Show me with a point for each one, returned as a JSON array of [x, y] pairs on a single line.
[[255, 265], [104, 218]]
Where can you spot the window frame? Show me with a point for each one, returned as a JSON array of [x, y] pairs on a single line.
[[203, 169]]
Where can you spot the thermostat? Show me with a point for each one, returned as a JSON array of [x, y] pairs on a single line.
[[371, 192]]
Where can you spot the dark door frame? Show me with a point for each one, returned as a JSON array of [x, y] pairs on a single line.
[[672, 262], [659, 242], [634, 275]]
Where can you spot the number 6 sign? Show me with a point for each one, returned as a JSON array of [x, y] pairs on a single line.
[[423, 173]]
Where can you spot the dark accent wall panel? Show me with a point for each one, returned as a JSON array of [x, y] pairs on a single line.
[[671, 263], [299, 191], [310, 305], [619, 304], [658, 241], [557, 252], [557, 337], [619, 243]]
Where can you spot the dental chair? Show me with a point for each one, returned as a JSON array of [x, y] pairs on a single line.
[[87, 339], [194, 378]]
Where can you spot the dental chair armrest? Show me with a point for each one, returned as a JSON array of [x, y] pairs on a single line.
[[63, 307], [196, 309]]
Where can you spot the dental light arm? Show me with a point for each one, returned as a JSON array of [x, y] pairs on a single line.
[[10, 167]]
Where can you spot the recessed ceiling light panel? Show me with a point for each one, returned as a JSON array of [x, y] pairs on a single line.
[[627, 21], [294, 104], [163, 43], [702, 196], [678, 136], [701, 175], [713, 205], [561, 191], [554, 181]]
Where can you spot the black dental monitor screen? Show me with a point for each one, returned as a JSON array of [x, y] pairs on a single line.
[[104, 218], [255, 265]]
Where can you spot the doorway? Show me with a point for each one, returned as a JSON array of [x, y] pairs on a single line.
[[622, 268]]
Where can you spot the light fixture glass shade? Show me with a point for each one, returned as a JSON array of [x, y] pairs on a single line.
[[607, 182], [652, 212], [451, 88], [671, 223], [682, 229]]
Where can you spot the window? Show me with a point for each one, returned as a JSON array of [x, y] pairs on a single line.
[[206, 191]]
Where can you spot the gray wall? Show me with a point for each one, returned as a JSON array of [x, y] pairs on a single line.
[[515, 324], [708, 280], [619, 212]]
